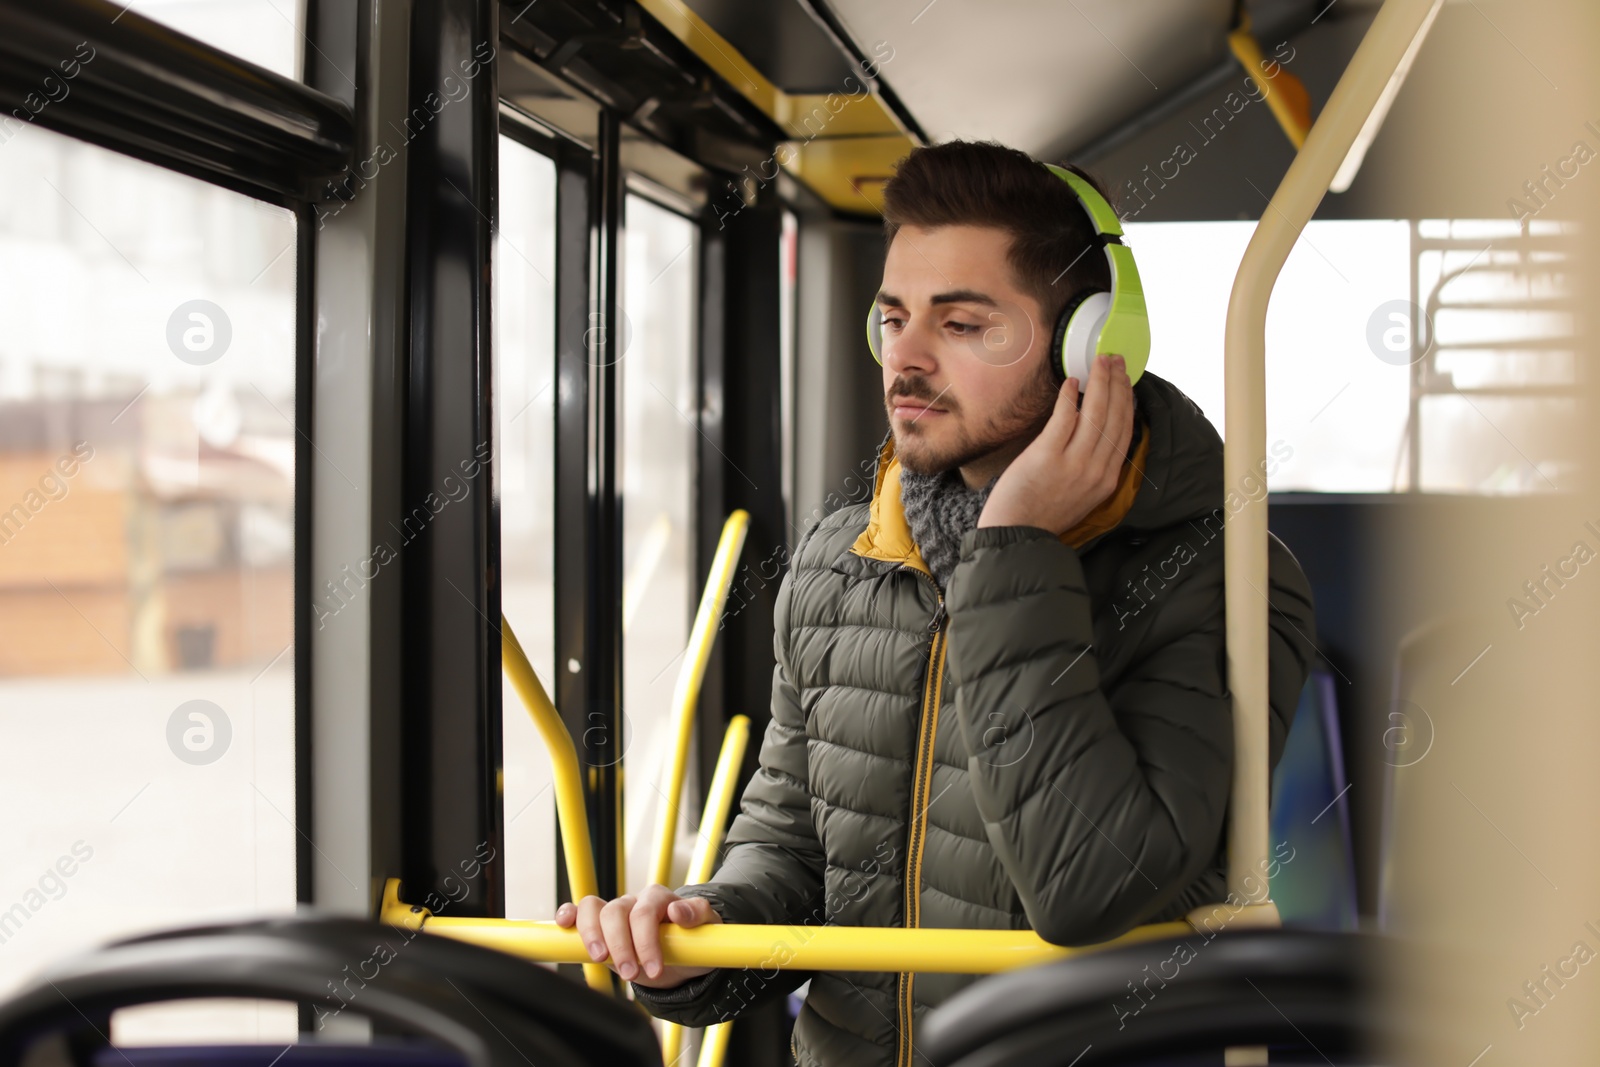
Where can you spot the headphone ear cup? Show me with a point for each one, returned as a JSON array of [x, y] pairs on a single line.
[[875, 332], [1080, 334], [1060, 362]]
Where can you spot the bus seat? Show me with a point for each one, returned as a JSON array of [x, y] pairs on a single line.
[[1187, 1001], [380, 1053], [1427, 662], [459, 1005], [1314, 884]]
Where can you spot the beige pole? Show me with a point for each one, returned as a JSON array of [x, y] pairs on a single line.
[[1395, 32]]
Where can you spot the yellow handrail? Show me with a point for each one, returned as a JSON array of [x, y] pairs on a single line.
[[719, 801], [686, 694], [804, 947], [1394, 32], [570, 809]]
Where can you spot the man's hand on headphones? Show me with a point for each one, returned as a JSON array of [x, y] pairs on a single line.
[[1074, 464]]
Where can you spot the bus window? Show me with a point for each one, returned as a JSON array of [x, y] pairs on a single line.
[[265, 32], [658, 445], [1346, 405], [524, 417], [147, 550], [1315, 348], [1497, 403]]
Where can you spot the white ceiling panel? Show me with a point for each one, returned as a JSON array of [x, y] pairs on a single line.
[[1045, 76]]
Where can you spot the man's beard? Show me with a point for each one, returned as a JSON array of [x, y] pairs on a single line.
[[1021, 419]]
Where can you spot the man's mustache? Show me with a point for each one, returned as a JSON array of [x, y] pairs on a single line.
[[918, 389]]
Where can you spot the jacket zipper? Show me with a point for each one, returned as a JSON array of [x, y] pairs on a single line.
[[922, 780]]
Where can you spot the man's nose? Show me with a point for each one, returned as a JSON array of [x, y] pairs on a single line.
[[910, 352]]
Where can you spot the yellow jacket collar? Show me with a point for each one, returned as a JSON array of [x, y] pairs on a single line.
[[888, 534]]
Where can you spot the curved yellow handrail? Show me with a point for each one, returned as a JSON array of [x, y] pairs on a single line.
[[570, 809], [686, 694], [719, 801], [1394, 32]]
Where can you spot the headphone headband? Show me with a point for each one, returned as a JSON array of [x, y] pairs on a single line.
[[1101, 213]]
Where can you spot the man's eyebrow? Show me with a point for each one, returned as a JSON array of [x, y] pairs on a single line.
[[964, 296], [955, 296]]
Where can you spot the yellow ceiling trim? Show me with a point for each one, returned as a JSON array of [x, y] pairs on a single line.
[[717, 53], [849, 172], [807, 116]]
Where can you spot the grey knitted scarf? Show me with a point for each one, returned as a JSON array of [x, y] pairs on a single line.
[[940, 509]]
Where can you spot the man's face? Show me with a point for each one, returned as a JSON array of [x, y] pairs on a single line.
[[964, 370]]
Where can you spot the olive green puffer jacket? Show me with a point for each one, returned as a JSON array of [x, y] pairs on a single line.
[[1072, 778]]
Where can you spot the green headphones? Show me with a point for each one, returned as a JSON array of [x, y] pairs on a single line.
[[1094, 322]]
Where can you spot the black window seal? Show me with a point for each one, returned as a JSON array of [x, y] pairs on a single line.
[[148, 91]]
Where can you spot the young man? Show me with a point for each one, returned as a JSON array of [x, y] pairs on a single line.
[[1000, 698]]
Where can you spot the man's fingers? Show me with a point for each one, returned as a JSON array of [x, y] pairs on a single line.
[[1124, 409], [1112, 451], [645, 923], [1096, 444], [1095, 402], [1095, 397], [627, 931], [588, 923], [619, 936], [1058, 431], [692, 911], [1119, 417]]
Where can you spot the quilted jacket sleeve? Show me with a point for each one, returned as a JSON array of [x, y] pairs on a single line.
[[1120, 799], [772, 863]]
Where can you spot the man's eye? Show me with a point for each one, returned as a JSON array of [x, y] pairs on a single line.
[[962, 329], [894, 324]]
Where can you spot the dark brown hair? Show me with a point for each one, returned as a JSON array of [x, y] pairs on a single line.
[[981, 183]]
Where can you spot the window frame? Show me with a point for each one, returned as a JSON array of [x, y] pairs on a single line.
[[429, 772], [622, 121], [161, 97]]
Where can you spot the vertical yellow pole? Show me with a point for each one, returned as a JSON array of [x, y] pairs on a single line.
[[719, 801], [686, 694], [714, 1045]]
